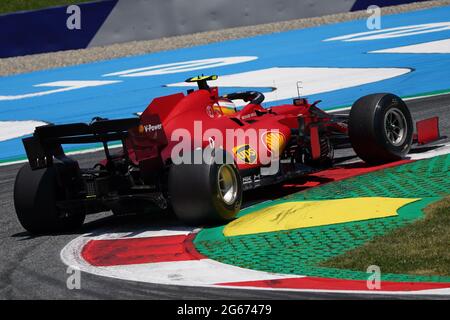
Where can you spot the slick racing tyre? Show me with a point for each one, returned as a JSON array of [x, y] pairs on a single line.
[[380, 128], [206, 193], [35, 196]]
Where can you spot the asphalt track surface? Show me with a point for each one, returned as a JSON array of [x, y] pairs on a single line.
[[30, 267]]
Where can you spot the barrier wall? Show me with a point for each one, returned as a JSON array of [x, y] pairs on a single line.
[[113, 21], [46, 30]]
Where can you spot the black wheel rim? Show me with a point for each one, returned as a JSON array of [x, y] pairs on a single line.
[[395, 127]]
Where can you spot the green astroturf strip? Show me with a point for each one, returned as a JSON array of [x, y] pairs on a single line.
[[300, 251]]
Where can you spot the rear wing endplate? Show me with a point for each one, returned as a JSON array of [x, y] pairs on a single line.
[[427, 130]]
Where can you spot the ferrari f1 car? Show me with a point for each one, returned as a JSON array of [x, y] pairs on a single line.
[[222, 155]]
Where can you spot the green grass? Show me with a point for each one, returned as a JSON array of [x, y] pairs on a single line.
[[8, 6], [421, 248]]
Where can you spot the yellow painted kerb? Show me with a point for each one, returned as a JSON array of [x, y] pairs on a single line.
[[294, 215]]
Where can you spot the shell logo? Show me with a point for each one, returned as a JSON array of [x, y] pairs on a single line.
[[273, 141]]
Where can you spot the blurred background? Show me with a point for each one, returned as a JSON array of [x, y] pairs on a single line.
[[37, 26]]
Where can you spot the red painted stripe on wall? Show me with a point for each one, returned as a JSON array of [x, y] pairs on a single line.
[[336, 284], [114, 252]]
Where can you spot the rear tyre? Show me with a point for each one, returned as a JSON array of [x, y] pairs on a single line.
[[380, 128], [35, 196], [206, 193]]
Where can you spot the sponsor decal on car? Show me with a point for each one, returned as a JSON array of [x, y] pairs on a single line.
[[245, 154], [149, 128], [274, 141], [210, 111], [250, 115], [152, 128]]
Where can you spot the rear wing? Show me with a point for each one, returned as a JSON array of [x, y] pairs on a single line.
[[46, 142]]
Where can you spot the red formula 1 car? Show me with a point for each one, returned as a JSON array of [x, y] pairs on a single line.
[[195, 154]]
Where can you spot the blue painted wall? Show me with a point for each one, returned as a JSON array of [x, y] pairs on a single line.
[[45, 30], [363, 4]]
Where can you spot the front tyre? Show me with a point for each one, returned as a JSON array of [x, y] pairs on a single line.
[[206, 193], [35, 195], [380, 128]]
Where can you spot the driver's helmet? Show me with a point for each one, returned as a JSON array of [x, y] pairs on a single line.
[[225, 107]]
